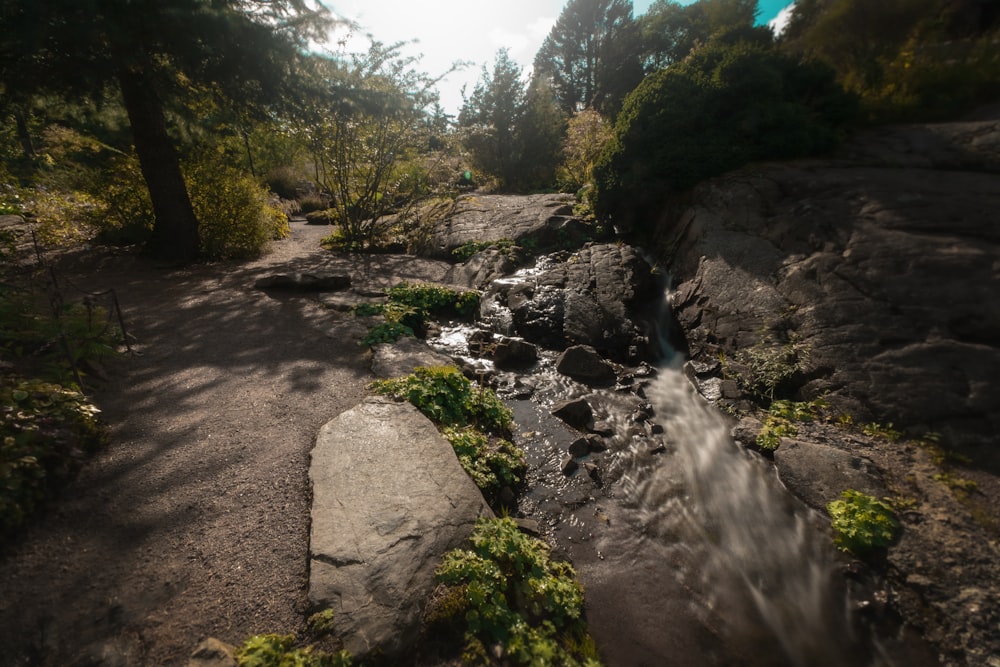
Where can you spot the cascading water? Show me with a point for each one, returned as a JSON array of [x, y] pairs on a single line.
[[758, 559]]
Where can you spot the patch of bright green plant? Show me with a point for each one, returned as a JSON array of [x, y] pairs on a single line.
[[272, 650], [516, 599], [956, 483], [321, 623], [448, 398], [467, 250], [491, 466], [767, 368], [882, 432], [46, 431], [781, 418], [434, 299], [386, 332], [861, 523]]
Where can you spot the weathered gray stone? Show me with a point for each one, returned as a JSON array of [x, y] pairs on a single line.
[[304, 282], [391, 360], [584, 364], [818, 474], [579, 447], [593, 298], [547, 220], [576, 412], [389, 500], [514, 354]]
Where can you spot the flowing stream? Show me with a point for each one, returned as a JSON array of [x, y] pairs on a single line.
[[690, 550]]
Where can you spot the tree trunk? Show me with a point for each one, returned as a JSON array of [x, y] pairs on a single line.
[[175, 231], [24, 134]]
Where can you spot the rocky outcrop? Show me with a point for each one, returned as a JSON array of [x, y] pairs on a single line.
[[594, 297], [543, 221], [304, 282], [389, 500], [882, 285], [392, 360], [871, 280]]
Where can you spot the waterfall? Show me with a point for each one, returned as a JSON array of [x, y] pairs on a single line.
[[757, 559]]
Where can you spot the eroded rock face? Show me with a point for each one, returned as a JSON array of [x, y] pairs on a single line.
[[885, 281], [389, 500], [544, 221], [592, 298]]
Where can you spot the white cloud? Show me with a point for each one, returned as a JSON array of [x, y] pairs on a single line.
[[780, 22]]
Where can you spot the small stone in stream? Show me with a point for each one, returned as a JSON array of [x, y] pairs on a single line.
[[584, 364], [569, 466], [529, 526], [514, 354], [655, 429], [579, 447], [594, 471], [577, 413], [596, 443], [603, 428]]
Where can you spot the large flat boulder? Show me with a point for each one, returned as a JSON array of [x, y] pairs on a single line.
[[545, 221], [389, 500]]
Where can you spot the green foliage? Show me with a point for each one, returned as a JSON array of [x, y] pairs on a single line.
[[518, 599], [279, 651], [236, 219], [762, 369], [386, 332], [46, 431], [862, 523], [882, 431], [467, 250], [128, 211], [722, 107], [321, 623], [587, 137], [434, 299], [61, 219], [781, 418], [448, 398], [492, 466]]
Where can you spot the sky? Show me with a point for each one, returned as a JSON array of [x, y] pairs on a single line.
[[443, 32]]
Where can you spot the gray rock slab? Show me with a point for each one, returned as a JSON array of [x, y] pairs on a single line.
[[389, 500], [304, 282], [392, 360], [818, 474]]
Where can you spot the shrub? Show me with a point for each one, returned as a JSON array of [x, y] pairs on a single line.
[[46, 431], [235, 219], [386, 332], [284, 182], [780, 421], [491, 466], [724, 106], [516, 598], [128, 211], [435, 299], [448, 398], [273, 650], [63, 218], [861, 523]]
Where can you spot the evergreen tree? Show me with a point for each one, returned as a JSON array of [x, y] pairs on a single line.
[[591, 54], [153, 52], [670, 31], [490, 119]]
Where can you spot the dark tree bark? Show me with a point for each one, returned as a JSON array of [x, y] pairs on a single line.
[[175, 232], [24, 134]]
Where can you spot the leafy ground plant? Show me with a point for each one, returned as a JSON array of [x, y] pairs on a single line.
[[781, 418], [273, 650], [491, 466], [862, 523], [448, 398], [46, 431], [512, 598]]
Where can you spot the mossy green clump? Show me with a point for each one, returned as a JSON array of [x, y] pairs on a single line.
[[386, 332], [862, 523], [467, 250], [272, 650], [491, 466], [46, 431], [448, 398], [781, 419], [516, 600], [411, 305]]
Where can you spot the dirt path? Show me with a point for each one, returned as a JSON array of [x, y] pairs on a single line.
[[194, 522]]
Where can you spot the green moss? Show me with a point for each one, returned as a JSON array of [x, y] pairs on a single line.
[[273, 650], [467, 250], [862, 523], [386, 332], [518, 599]]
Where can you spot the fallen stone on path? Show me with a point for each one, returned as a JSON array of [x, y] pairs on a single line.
[[304, 282], [393, 360], [389, 500]]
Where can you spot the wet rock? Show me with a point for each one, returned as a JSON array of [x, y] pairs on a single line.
[[819, 473], [584, 364], [373, 548], [746, 430], [484, 267], [514, 354], [569, 465], [304, 282], [596, 443], [595, 297], [577, 413], [579, 447]]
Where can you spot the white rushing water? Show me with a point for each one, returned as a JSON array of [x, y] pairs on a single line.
[[752, 553]]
